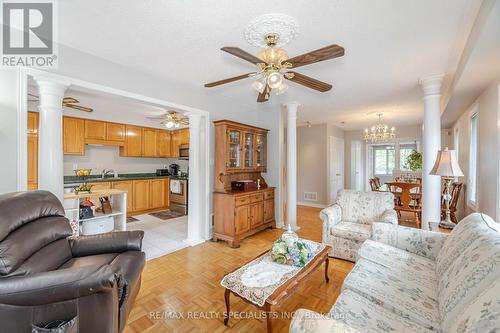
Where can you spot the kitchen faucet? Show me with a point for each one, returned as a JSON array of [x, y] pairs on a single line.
[[105, 172]]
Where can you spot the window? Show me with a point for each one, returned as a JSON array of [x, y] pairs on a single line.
[[473, 159], [383, 160], [404, 151]]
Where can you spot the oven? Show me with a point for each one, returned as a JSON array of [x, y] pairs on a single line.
[[179, 195]]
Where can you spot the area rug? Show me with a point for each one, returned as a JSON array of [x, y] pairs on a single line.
[[166, 214], [131, 219]]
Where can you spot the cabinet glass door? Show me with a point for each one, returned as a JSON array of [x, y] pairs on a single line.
[[248, 147], [260, 151], [234, 156]]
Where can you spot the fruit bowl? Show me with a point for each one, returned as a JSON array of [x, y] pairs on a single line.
[[83, 172]]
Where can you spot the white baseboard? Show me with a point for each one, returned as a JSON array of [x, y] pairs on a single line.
[[311, 204]]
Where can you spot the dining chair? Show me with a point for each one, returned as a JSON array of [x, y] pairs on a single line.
[[409, 199]]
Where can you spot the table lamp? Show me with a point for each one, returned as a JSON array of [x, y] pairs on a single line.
[[447, 167]]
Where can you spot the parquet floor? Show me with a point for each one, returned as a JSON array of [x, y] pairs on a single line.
[[181, 292]]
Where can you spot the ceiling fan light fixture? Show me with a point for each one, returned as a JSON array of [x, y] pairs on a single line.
[[273, 55], [258, 85], [169, 124], [274, 80], [281, 89], [177, 125]]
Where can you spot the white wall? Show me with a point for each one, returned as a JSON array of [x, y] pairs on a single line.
[[9, 82], [312, 163], [488, 152]]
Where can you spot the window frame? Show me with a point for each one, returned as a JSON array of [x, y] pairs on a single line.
[[384, 148]]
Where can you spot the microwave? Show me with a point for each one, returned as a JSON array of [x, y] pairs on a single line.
[[184, 152]]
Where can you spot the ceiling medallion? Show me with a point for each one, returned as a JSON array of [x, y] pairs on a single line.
[[379, 132], [284, 26]]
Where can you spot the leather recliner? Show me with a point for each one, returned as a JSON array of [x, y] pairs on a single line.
[[89, 282]]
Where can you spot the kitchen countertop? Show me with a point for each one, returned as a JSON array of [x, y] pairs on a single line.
[[121, 176]]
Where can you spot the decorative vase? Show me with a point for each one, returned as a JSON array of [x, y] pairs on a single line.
[[289, 236]]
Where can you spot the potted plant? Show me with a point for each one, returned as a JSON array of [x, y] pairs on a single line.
[[414, 161]]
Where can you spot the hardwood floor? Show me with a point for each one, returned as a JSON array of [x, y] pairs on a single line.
[[181, 292]]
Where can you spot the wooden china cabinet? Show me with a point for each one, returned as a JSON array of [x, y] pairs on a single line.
[[240, 154]]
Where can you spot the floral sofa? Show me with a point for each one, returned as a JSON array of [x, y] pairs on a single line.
[[348, 223], [411, 280]]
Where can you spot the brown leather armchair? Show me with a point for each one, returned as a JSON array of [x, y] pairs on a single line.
[[90, 283]]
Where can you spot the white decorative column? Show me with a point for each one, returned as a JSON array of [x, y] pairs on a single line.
[[195, 189], [291, 165], [50, 140], [431, 137]]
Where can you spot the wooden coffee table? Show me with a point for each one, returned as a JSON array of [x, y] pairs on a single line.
[[285, 290]]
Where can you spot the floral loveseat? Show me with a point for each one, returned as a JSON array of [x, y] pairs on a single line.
[[411, 280], [348, 223]]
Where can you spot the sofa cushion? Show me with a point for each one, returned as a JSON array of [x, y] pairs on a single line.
[[352, 230], [473, 271], [482, 315], [391, 256], [95, 260], [363, 315], [364, 207], [396, 291]]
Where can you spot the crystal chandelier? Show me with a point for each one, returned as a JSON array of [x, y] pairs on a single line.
[[379, 132]]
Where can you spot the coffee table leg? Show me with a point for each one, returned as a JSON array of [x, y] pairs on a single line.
[[327, 279], [226, 298], [269, 309]]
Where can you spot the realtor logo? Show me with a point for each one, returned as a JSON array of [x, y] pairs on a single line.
[[28, 34]]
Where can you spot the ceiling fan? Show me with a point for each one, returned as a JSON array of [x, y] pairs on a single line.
[[270, 63], [68, 102], [171, 119]]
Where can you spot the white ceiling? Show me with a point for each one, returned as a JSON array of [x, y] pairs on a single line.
[[389, 45]]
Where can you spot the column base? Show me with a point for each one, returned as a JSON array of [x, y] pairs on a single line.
[[193, 241]]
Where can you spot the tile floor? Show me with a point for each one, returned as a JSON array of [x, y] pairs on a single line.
[[161, 237]]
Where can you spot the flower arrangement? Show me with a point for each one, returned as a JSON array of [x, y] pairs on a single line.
[[297, 253]]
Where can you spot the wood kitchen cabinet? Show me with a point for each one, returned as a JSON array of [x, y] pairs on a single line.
[[73, 136], [115, 132], [141, 194], [100, 186], [241, 219], [129, 187], [149, 141], [133, 141], [179, 137], [95, 129], [163, 143], [32, 151], [157, 193]]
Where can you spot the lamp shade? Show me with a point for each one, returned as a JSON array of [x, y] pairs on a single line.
[[446, 164]]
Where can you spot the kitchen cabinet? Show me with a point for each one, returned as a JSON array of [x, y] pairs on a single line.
[[241, 219], [256, 214], [115, 132], [149, 141], [100, 185], [157, 193], [133, 141], [141, 194], [95, 129], [129, 187], [183, 136], [32, 151], [73, 136], [179, 137], [163, 143]]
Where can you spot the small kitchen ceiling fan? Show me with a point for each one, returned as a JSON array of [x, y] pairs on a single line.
[[171, 119], [272, 60], [68, 102]]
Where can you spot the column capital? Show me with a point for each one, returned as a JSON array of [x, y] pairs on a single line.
[[431, 85], [50, 86]]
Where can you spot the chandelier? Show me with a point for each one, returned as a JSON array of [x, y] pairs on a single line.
[[379, 132]]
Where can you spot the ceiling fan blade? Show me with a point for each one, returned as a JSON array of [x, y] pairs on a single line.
[[78, 107], [70, 100], [264, 96], [308, 81], [237, 52], [231, 79], [325, 53]]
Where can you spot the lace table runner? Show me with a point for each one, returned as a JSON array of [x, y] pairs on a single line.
[[258, 279]]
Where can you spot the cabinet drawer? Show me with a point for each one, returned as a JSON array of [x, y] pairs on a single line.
[[256, 197], [268, 195], [240, 201]]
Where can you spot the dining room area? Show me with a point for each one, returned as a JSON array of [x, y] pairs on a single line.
[[397, 168]]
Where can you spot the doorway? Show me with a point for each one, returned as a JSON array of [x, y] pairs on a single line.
[[336, 172], [356, 166]]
